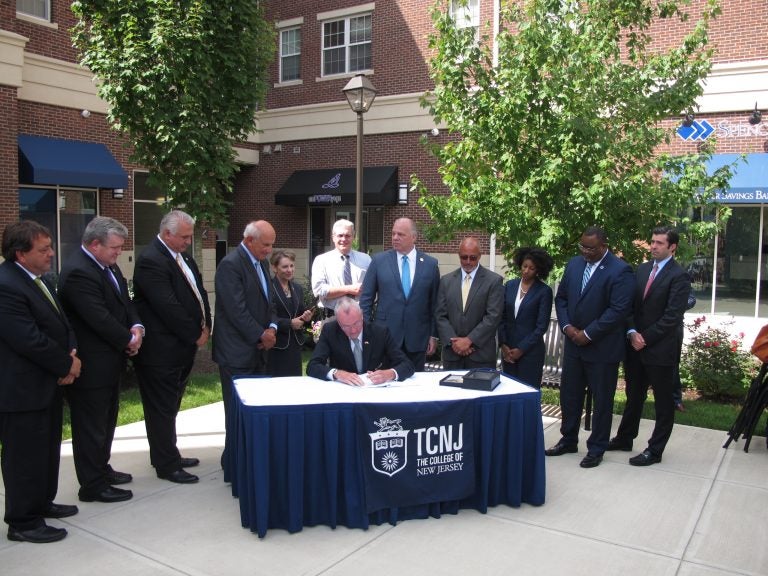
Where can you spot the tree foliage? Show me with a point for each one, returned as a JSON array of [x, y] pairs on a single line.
[[182, 79], [565, 131]]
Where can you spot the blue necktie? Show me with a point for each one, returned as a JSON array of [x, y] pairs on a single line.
[[587, 275], [406, 276], [262, 279]]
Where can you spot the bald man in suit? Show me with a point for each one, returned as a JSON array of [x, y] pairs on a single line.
[[401, 288], [467, 330], [592, 304]]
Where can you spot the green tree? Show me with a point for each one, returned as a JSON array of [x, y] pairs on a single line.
[[565, 131], [182, 80]]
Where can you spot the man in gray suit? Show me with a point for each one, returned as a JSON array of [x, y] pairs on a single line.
[[246, 323], [470, 301], [402, 283]]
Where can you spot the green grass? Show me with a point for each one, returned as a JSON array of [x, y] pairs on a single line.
[[698, 412], [205, 389]]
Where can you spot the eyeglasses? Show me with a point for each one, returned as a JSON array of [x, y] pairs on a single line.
[[589, 249], [470, 257]]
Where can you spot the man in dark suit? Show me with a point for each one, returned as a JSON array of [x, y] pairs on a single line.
[[246, 322], [401, 286], [654, 338], [592, 303], [173, 305], [37, 357], [470, 302], [95, 297], [356, 352]]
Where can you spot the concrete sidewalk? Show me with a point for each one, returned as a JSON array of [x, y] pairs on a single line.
[[702, 511]]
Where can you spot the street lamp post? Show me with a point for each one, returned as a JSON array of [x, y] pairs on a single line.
[[360, 94]]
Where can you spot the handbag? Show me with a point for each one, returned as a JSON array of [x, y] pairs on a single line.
[[760, 346]]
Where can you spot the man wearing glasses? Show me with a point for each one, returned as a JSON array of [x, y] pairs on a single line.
[[593, 302], [470, 301], [339, 272]]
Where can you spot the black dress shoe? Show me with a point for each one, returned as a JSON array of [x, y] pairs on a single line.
[[114, 477], [179, 477], [107, 495], [646, 458], [40, 535], [616, 444], [189, 462], [560, 449], [591, 460], [60, 511]]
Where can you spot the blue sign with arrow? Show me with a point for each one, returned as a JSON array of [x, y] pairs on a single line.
[[696, 131]]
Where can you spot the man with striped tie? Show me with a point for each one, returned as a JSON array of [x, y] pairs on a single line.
[[654, 338], [38, 357], [339, 272], [592, 303], [95, 297]]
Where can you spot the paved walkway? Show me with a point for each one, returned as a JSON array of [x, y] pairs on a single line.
[[703, 511]]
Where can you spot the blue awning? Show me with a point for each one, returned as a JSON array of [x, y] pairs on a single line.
[[749, 184], [68, 163]]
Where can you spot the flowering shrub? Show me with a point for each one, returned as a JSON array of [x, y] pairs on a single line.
[[317, 327], [714, 363]]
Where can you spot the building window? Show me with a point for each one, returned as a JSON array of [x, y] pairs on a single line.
[[347, 45], [466, 14], [290, 54], [64, 211], [149, 207], [37, 8]]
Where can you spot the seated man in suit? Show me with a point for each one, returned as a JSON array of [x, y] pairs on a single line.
[[350, 348]]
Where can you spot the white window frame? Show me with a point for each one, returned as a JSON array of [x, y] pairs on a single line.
[[346, 45], [466, 14], [44, 4], [283, 55]]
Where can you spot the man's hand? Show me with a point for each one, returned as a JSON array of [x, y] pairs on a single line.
[[203, 339], [577, 336], [381, 376], [431, 346], [74, 370], [348, 378], [511, 355], [637, 341], [354, 290], [268, 339], [137, 337], [462, 346]]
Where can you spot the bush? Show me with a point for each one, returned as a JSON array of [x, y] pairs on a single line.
[[714, 363]]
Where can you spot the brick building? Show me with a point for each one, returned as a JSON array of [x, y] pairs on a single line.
[[308, 135]]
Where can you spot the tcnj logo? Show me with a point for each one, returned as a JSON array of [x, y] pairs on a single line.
[[333, 182], [389, 447]]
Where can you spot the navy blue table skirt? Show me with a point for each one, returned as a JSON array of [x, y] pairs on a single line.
[[297, 466]]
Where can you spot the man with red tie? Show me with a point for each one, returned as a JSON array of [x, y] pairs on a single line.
[[653, 346], [173, 305]]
